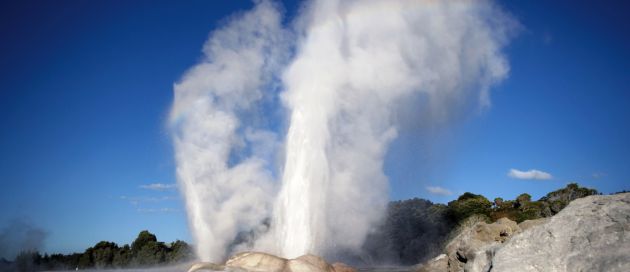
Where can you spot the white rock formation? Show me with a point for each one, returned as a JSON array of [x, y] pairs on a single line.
[[468, 251], [263, 262], [591, 234]]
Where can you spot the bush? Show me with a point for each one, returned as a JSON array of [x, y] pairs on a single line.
[[559, 199], [144, 238], [180, 252], [469, 204]]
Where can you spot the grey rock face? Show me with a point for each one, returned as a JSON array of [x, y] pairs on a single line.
[[591, 234], [527, 224], [472, 249]]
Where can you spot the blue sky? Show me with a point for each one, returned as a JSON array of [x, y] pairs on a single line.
[[86, 88]]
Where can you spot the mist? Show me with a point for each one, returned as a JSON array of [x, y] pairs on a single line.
[[20, 235], [292, 121]]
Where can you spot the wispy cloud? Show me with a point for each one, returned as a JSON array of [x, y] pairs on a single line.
[[598, 175], [159, 186], [158, 210], [530, 174], [135, 200], [437, 190]]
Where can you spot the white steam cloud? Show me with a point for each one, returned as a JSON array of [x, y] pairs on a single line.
[[339, 73], [222, 168]]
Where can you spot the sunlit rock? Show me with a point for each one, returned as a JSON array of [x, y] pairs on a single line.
[[468, 250], [263, 262], [590, 234], [257, 261]]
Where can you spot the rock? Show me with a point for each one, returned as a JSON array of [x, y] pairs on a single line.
[[206, 266], [437, 264], [308, 263], [263, 262], [590, 234], [527, 224], [257, 261], [472, 248], [342, 267]]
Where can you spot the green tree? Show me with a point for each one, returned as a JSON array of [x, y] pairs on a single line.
[[559, 199], [152, 253], [103, 254], [523, 199], [180, 251], [85, 261], [123, 257], [144, 238], [498, 202], [27, 261], [469, 204]]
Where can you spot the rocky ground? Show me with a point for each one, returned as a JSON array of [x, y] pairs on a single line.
[[591, 234], [258, 261]]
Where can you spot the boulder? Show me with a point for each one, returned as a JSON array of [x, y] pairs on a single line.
[[262, 262], [206, 266], [308, 263], [590, 234], [527, 224], [437, 264], [257, 261], [468, 251]]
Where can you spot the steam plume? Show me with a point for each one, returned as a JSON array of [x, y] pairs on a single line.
[[356, 62], [355, 65], [221, 149]]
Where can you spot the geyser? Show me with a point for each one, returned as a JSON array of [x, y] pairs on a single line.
[[338, 75]]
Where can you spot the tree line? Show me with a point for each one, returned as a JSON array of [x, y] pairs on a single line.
[[144, 251]]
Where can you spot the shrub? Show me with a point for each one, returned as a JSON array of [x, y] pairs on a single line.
[[469, 204]]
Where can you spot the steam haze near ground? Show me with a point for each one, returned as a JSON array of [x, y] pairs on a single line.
[[292, 122], [18, 236]]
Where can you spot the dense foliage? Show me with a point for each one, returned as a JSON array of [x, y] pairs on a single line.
[[145, 250], [523, 208], [467, 205]]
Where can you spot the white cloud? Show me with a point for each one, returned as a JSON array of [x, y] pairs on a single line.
[[158, 210], [159, 186], [148, 199], [530, 174], [598, 175], [437, 190], [136, 200]]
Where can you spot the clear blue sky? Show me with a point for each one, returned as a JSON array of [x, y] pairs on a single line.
[[86, 88]]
